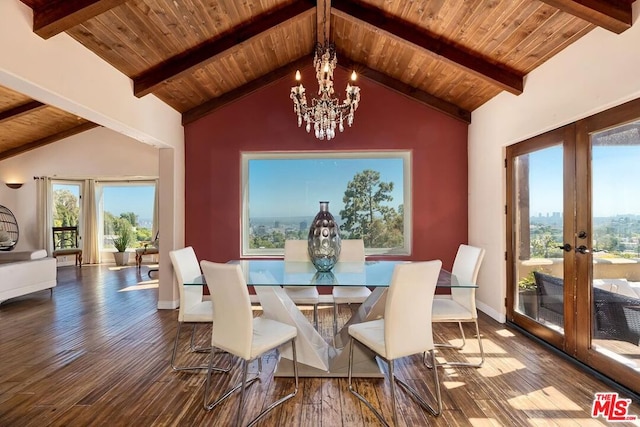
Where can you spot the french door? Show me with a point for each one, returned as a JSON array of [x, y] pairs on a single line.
[[574, 240]]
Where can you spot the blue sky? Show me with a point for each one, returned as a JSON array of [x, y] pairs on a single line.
[[295, 187], [138, 199], [614, 175], [119, 198]]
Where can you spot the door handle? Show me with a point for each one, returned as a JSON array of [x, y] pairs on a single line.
[[582, 249], [566, 247]]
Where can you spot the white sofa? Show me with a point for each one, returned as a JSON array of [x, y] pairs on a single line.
[[24, 272]]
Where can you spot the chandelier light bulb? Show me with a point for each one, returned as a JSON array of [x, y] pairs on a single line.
[[326, 113]]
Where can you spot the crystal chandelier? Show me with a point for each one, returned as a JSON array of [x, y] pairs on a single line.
[[326, 113]]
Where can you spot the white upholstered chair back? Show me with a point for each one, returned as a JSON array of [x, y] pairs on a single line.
[[409, 303], [296, 250], [405, 330], [466, 267], [352, 250], [231, 308], [237, 332], [186, 268]]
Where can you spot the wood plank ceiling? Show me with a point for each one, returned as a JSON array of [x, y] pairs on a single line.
[[197, 55]]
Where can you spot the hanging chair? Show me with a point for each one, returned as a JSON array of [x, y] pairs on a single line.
[[9, 232]]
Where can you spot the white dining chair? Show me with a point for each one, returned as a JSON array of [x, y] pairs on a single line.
[[243, 335], [460, 306], [297, 250], [193, 308], [400, 332], [352, 250]]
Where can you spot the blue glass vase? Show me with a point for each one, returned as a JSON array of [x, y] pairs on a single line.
[[324, 239]]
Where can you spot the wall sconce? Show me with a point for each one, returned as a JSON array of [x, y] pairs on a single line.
[[14, 185]]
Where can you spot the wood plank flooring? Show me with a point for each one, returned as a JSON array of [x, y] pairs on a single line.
[[97, 352]]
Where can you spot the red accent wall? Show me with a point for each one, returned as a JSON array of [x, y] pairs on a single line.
[[264, 121]]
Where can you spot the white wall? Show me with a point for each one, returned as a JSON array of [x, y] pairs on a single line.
[[63, 73], [597, 72], [97, 153]]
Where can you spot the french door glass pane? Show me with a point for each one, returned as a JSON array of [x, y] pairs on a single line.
[[616, 243], [538, 183]]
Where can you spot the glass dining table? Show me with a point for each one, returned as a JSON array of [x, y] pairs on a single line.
[[316, 356]]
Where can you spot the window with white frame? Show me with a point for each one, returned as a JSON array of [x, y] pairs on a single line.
[[369, 194], [67, 209], [130, 203]]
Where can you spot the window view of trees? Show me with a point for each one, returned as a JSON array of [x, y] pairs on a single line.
[[113, 226], [366, 215], [66, 212], [616, 236], [368, 195], [127, 206], [66, 209], [546, 238]]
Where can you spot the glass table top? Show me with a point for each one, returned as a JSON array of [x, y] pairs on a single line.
[[368, 273]]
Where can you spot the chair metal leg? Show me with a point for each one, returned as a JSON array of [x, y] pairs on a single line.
[[315, 316], [245, 383], [192, 343], [392, 378], [243, 391], [284, 398], [393, 392], [335, 319], [353, 390], [467, 364], [192, 367], [418, 398], [207, 388], [457, 347]]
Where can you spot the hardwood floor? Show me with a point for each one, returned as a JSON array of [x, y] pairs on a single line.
[[97, 352]]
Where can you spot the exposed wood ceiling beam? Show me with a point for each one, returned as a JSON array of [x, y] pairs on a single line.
[[207, 51], [406, 32], [18, 111], [242, 91], [615, 16], [418, 95], [289, 69], [57, 16], [47, 140], [323, 21]]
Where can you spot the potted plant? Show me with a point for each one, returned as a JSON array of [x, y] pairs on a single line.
[[122, 240], [527, 296]]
